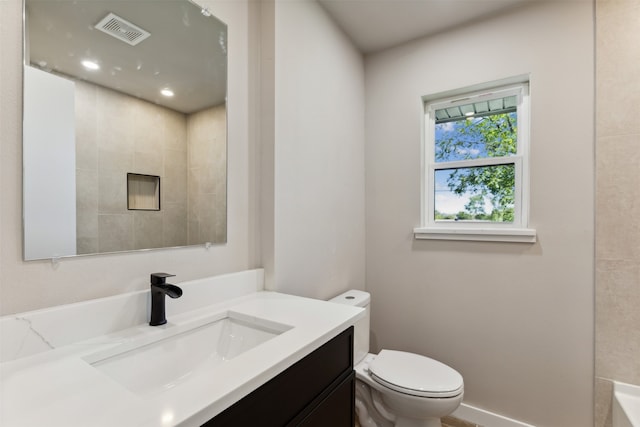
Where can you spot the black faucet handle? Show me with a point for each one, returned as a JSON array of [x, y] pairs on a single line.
[[160, 278]]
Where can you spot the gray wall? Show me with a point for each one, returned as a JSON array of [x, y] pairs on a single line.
[[313, 186], [515, 319], [617, 200]]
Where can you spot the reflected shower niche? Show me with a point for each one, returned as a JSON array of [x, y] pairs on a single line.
[[143, 192]]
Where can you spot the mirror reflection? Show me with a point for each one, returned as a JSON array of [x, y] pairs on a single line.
[[124, 128]]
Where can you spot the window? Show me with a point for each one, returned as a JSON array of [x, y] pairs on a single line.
[[475, 174]]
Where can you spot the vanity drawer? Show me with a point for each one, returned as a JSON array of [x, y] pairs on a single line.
[[298, 391], [336, 409]]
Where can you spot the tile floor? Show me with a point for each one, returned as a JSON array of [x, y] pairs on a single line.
[[456, 422]]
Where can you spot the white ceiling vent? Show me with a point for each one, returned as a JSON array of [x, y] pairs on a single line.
[[122, 29]]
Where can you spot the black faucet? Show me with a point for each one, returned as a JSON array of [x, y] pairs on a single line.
[[158, 290]]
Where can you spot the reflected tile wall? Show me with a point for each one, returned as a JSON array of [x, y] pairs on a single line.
[[115, 232], [207, 186], [148, 229], [175, 224], [617, 199], [117, 134]]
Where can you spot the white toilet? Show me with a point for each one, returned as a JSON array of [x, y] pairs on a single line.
[[396, 388]]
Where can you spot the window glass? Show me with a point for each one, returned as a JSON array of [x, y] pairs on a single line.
[[484, 193], [475, 135]]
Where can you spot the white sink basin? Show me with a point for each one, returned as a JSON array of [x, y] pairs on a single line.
[[152, 367]]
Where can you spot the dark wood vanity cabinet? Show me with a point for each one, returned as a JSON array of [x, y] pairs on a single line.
[[317, 391]]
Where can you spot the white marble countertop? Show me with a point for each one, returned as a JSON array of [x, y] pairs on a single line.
[[59, 387]]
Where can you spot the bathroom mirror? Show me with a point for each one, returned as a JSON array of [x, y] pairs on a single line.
[[124, 126]]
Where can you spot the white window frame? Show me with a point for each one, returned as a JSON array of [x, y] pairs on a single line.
[[516, 231]]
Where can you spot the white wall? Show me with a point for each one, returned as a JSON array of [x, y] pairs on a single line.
[[50, 157], [515, 319], [315, 241], [31, 285]]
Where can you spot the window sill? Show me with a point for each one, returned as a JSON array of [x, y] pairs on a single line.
[[512, 235]]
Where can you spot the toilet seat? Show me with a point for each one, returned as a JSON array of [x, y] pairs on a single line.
[[415, 375]]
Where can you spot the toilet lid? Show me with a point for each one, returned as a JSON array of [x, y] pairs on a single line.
[[417, 375]]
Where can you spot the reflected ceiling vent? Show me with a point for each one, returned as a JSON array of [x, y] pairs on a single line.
[[122, 29]]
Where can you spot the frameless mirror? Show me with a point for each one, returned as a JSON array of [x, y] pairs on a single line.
[[124, 126]]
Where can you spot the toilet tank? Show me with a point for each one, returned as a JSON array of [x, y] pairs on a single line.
[[361, 327]]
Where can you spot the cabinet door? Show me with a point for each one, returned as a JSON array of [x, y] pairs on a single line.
[[337, 410], [281, 401]]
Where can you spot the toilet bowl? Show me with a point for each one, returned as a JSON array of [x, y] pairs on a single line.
[[397, 388]]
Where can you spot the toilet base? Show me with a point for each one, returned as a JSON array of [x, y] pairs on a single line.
[[369, 414]]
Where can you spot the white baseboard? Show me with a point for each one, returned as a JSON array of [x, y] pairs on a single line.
[[486, 418]]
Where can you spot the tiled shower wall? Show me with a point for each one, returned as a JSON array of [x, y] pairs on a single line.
[[117, 134], [207, 165], [617, 199]]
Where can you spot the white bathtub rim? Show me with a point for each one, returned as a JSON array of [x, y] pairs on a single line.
[[627, 399]]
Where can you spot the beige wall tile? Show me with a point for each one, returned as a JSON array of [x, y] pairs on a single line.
[[112, 193], [148, 229], [200, 152], [175, 162], [115, 233], [206, 221], [110, 161], [174, 224], [617, 67], [207, 135], [207, 176], [116, 118], [618, 197], [220, 188], [603, 397], [618, 320], [193, 230], [202, 180], [86, 210], [148, 130], [175, 183], [148, 163], [86, 126], [87, 245], [175, 132], [87, 191], [86, 153], [85, 96], [220, 231], [87, 226]]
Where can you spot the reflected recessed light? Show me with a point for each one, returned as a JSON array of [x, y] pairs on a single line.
[[469, 114], [167, 92], [90, 65]]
